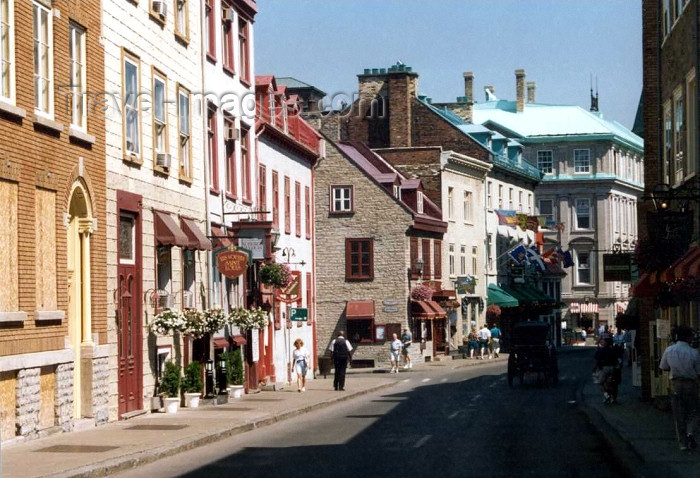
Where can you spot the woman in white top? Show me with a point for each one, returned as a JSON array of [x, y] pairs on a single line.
[[300, 359], [396, 347]]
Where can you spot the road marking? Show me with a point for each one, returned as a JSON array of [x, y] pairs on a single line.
[[425, 380], [406, 380], [422, 441], [454, 414]]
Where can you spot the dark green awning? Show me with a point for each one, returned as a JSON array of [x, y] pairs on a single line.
[[497, 296], [528, 295]]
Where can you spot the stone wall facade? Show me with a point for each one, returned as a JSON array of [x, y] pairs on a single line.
[[64, 396]]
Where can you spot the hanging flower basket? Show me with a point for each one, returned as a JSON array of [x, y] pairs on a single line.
[[493, 312], [655, 255], [422, 292], [276, 275], [169, 320], [194, 322], [255, 318], [214, 319]]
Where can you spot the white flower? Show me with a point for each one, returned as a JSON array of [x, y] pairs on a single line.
[[254, 318], [168, 320]]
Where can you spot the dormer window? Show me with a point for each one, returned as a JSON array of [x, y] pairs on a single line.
[[397, 192], [419, 202]]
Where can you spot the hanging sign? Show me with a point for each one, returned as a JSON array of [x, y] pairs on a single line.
[[290, 294], [232, 263], [617, 267]]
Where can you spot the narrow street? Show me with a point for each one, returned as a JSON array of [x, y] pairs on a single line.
[[443, 420]]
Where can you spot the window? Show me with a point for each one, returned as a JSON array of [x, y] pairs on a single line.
[[510, 199], [583, 268], [545, 162], [489, 191], [182, 19], [160, 122], [7, 47], [451, 259], [583, 213], [582, 161], [437, 259], [132, 107], [361, 331], [287, 206], [246, 166], [275, 199], [666, 16], [210, 29], [188, 278], [185, 145], [419, 202], [691, 146], [43, 59], [164, 271], [227, 40], [500, 196], [45, 250], [463, 260], [9, 270], [679, 136], [307, 206], [668, 141], [77, 75], [489, 256], [468, 206], [475, 252], [546, 209], [243, 53], [529, 203], [359, 259], [297, 208], [341, 199], [397, 191], [262, 190], [426, 258], [230, 151], [213, 149], [520, 201], [413, 256], [450, 203]]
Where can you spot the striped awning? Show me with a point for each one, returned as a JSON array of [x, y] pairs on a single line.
[[583, 308]]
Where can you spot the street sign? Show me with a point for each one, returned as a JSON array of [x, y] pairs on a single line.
[[299, 314]]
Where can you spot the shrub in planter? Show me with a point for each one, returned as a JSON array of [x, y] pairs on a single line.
[[192, 382], [277, 275], [170, 380], [234, 367]]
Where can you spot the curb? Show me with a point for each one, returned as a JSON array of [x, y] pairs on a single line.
[[140, 458]]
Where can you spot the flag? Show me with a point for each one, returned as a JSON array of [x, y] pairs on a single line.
[[548, 253], [533, 257], [518, 254], [506, 217], [566, 258]]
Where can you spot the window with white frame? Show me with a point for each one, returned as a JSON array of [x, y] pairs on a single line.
[[545, 162], [462, 259], [489, 256], [397, 191], [77, 75], [181, 19], [583, 213], [511, 206], [188, 278], [475, 255], [546, 209], [520, 201], [468, 206], [529, 203], [679, 135], [419, 203], [43, 58], [692, 114], [668, 142], [132, 107], [583, 267], [582, 161], [489, 195], [450, 203], [341, 199], [160, 123], [500, 196], [451, 258], [7, 50], [184, 132]]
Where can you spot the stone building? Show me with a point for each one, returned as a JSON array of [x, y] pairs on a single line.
[[377, 236], [53, 304]]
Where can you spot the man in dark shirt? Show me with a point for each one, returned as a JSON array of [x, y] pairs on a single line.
[[340, 354]]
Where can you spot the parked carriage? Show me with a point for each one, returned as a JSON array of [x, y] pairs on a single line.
[[532, 351]]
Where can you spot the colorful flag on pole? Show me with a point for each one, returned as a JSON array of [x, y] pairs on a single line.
[[567, 260], [506, 218], [518, 254], [533, 257]]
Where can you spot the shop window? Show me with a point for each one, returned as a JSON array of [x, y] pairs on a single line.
[[361, 330]]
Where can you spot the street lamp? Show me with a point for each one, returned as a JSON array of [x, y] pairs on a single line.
[[209, 368], [419, 267], [288, 253], [221, 376]]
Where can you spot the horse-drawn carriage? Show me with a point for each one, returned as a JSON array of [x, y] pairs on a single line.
[[532, 352]]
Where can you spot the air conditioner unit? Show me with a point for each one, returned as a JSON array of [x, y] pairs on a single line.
[[231, 133], [165, 300], [159, 7], [227, 14], [187, 300], [163, 160]]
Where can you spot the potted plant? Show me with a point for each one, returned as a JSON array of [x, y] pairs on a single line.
[[234, 372], [167, 321], [277, 275], [192, 384], [169, 387], [246, 319], [422, 292]]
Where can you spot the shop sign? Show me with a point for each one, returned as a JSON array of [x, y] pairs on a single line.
[[617, 267], [390, 305], [466, 284], [298, 314], [256, 245], [290, 294], [232, 263]]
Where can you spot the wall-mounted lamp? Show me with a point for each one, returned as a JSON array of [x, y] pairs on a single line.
[[418, 264]]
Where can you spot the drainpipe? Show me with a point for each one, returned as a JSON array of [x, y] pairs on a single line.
[[210, 254]]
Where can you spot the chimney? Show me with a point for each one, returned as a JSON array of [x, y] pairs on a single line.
[[530, 91], [489, 90], [520, 90], [469, 95]]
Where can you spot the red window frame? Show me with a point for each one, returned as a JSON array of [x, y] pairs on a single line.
[[227, 43], [359, 259], [246, 166], [287, 206], [243, 45], [426, 258], [307, 208], [210, 24], [230, 151], [297, 208], [413, 253], [437, 259], [262, 189], [275, 199], [213, 150]]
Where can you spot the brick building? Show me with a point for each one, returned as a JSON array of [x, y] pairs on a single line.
[[53, 309]]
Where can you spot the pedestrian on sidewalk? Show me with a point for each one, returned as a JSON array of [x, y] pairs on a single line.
[[473, 339], [495, 340], [484, 340], [394, 350], [683, 362], [341, 352], [300, 358], [608, 362], [406, 339]]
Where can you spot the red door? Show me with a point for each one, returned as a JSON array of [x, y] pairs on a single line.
[[128, 294]]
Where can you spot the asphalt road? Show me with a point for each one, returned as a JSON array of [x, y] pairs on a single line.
[[442, 421]]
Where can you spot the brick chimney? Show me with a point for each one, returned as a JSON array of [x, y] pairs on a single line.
[[520, 90], [530, 91], [469, 95], [402, 86]]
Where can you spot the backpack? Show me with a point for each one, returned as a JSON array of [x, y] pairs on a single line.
[[340, 348]]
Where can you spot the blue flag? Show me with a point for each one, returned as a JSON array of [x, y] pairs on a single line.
[[533, 257], [518, 254], [567, 260]]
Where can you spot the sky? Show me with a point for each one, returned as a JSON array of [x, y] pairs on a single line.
[[561, 45]]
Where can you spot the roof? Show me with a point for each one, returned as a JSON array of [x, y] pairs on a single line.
[[293, 83], [563, 122]]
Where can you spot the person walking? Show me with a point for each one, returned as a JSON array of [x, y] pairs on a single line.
[[683, 363], [484, 340], [495, 340], [608, 362], [395, 347], [300, 359], [473, 339], [341, 351], [406, 339]]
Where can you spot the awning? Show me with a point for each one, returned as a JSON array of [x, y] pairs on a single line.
[[439, 311], [497, 296], [359, 309], [221, 343], [644, 287], [589, 307], [421, 310], [238, 339], [198, 240], [528, 295], [575, 308], [220, 239], [167, 232], [444, 294]]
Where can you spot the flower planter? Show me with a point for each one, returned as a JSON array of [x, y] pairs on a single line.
[[171, 404], [235, 391], [192, 399]]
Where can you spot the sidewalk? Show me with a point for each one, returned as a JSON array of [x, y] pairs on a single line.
[[642, 437]]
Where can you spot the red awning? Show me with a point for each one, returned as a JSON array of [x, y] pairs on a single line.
[[238, 340], [221, 343], [444, 294], [421, 310], [167, 232], [220, 239], [644, 287], [359, 309], [439, 311], [197, 239]]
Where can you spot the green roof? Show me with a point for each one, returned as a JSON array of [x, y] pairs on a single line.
[[497, 296]]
